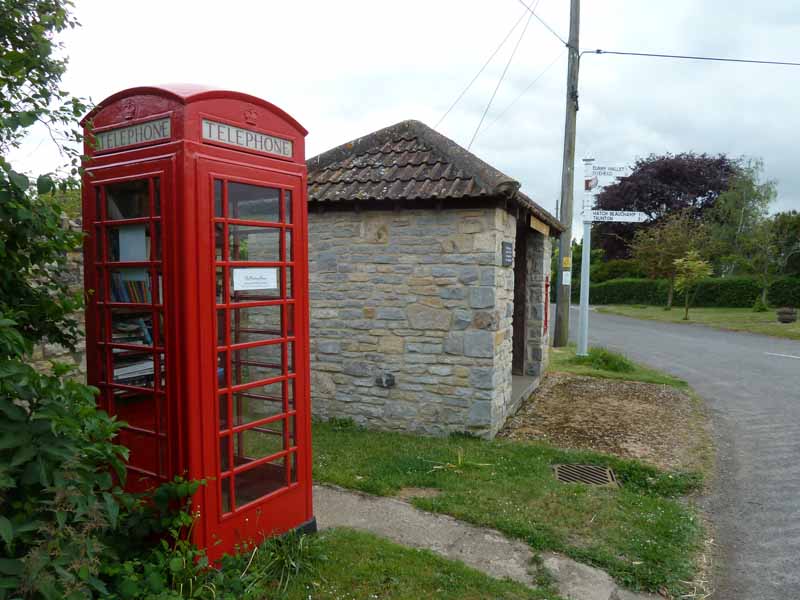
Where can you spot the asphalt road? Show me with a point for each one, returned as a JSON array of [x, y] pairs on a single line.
[[751, 384]]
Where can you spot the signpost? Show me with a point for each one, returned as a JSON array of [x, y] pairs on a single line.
[[595, 177]]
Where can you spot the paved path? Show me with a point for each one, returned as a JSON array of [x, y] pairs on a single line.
[[482, 549], [752, 386]]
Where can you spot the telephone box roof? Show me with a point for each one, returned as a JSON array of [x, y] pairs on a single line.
[[411, 161], [186, 93]]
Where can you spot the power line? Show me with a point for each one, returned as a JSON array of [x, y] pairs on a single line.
[[478, 74], [538, 18], [526, 90], [687, 57], [502, 75]]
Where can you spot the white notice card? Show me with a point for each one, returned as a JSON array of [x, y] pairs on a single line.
[[255, 279]]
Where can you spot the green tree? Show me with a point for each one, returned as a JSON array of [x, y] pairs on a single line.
[[658, 247], [786, 227], [690, 270], [736, 222]]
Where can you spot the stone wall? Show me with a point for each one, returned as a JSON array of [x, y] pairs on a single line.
[[45, 354], [411, 318]]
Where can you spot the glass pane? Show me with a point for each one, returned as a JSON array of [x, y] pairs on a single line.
[[293, 475], [98, 244], [222, 370], [258, 442], [223, 412], [289, 291], [128, 200], [162, 373], [221, 327], [130, 326], [259, 481], [290, 357], [292, 440], [130, 243], [224, 457], [219, 241], [218, 198], [258, 403], [157, 196], [255, 324], [101, 286], [256, 364], [254, 243], [101, 325], [290, 394], [289, 245], [133, 367], [130, 284], [98, 204], [157, 228], [136, 409], [253, 202], [253, 284], [226, 494], [220, 285], [287, 206]]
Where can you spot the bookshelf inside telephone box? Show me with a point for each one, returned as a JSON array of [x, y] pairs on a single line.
[[196, 273]]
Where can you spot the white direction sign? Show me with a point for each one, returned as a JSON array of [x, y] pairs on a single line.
[[615, 216]]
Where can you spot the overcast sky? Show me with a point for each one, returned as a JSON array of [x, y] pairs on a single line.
[[349, 67]]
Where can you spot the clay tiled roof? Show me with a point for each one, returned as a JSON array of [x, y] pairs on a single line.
[[410, 161]]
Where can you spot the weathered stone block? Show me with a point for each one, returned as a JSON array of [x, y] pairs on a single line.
[[329, 347], [483, 378], [357, 368], [479, 344], [390, 344], [425, 317], [482, 297], [468, 274], [391, 313], [453, 293], [486, 319], [454, 343], [480, 414], [461, 319]]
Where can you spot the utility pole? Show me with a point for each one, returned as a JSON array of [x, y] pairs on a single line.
[[564, 284]]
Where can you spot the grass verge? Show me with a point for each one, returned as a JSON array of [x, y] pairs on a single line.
[[358, 566], [640, 533], [608, 365], [733, 319]]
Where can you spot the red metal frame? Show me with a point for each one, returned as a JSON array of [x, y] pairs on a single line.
[[182, 409]]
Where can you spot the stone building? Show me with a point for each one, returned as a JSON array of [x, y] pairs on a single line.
[[428, 275]]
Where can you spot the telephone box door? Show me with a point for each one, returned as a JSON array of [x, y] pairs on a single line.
[[128, 208], [256, 432]]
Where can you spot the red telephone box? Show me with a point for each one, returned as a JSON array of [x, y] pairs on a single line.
[[196, 270]]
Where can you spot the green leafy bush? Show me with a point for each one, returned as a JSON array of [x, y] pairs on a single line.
[[618, 268], [760, 306], [785, 292], [728, 292]]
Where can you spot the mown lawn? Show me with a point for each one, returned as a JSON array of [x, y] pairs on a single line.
[[734, 319], [361, 566], [640, 533]]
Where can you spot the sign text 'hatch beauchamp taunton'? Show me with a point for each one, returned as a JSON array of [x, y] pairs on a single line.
[[141, 133], [244, 138]]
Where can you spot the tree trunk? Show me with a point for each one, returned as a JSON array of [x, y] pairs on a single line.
[[764, 295], [686, 304], [670, 293]]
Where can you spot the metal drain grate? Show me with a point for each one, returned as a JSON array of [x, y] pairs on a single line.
[[590, 474]]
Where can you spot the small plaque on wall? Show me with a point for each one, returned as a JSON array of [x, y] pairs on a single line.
[[508, 254], [248, 279]]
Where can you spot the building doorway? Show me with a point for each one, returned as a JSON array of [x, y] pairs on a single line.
[[520, 297]]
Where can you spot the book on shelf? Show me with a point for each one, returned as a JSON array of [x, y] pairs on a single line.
[[134, 287]]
